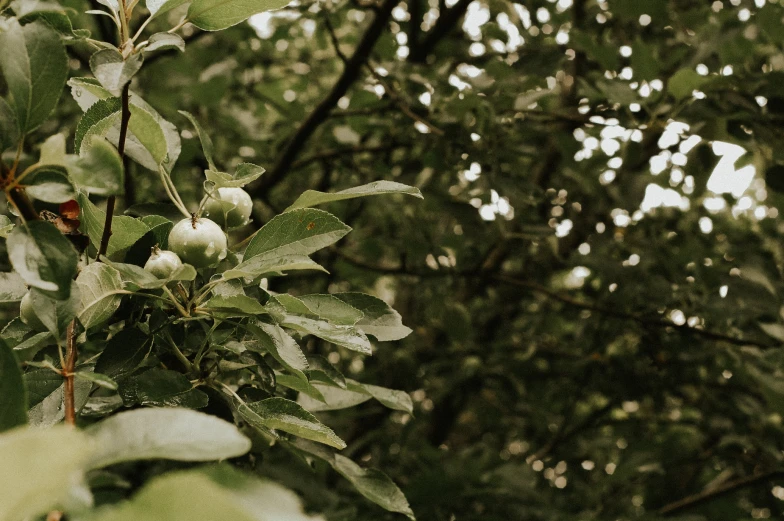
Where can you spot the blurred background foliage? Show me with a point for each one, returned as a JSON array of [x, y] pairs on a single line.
[[594, 278]]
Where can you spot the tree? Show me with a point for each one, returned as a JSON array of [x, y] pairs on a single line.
[[592, 279]]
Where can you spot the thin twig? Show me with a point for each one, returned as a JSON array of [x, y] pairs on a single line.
[[125, 116], [402, 104]]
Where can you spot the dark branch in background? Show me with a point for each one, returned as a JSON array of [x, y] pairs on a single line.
[[443, 26], [542, 290], [719, 491], [125, 116], [646, 321], [359, 149], [351, 72], [402, 104]]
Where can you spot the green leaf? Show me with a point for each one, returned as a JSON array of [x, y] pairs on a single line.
[[371, 483], [158, 7], [43, 257], [684, 82], [288, 416], [773, 330], [97, 121], [141, 279], [49, 411], [332, 309], [35, 68], [380, 319], [56, 314], [123, 354], [391, 398], [125, 230], [214, 15], [314, 197], [344, 336], [114, 71], [298, 232], [40, 383], [57, 20], [13, 405], [274, 340], [175, 434], [33, 481], [100, 170], [206, 142], [263, 265], [159, 41], [49, 183], [374, 485], [12, 287], [101, 380], [321, 370], [299, 385], [266, 500], [151, 141], [9, 130], [334, 398], [100, 287], [158, 235], [222, 494], [354, 394], [244, 174], [161, 388], [242, 304]]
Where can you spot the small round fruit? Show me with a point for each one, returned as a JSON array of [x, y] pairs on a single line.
[[198, 242], [162, 263], [27, 314], [229, 206]]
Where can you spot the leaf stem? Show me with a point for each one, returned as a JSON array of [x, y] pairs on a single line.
[[171, 191], [178, 26], [177, 353], [141, 29]]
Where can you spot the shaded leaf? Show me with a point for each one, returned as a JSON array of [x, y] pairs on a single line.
[[43, 257], [13, 405]]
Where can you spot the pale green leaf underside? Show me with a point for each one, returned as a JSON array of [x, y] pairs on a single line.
[[165, 433], [214, 15], [314, 197]]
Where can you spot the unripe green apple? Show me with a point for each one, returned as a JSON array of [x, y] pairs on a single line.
[[162, 263], [27, 314], [198, 242], [229, 206]]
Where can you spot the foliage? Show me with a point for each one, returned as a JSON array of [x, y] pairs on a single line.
[[128, 348], [592, 283]]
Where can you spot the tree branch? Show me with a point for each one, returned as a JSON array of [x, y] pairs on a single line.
[[351, 72], [719, 491], [71, 351], [71, 354], [629, 316], [446, 22]]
